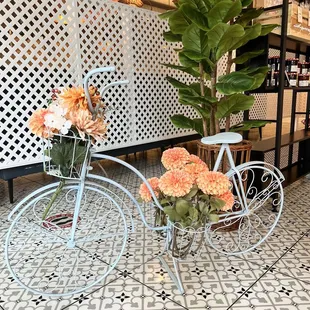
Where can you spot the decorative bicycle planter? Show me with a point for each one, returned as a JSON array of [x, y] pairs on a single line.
[[83, 236]]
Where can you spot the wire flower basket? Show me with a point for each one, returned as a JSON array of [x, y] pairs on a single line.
[[65, 155], [184, 242]]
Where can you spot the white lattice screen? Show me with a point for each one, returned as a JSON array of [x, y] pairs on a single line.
[[46, 44]]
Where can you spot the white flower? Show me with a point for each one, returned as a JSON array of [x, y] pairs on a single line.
[[57, 121]]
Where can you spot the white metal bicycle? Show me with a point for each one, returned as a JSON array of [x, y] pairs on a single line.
[[85, 234]]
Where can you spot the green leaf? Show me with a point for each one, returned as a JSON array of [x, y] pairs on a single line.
[[171, 37], [223, 11], [213, 217], [195, 42], [228, 40], [216, 33], [187, 62], [177, 22], [246, 3], [172, 214], [167, 14], [65, 156], [177, 84], [181, 121], [217, 203], [234, 82], [248, 16], [192, 192], [203, 6], [195, 16], [268, 28], [182, 206], [190, 71], [233, 104], [246, 56], [250, 33], [204, 197], [193, 214], [247, 125]]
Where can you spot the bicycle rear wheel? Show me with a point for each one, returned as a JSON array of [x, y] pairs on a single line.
[[37, 251], [251, 221]]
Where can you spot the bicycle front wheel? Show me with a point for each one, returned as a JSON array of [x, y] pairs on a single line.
[[258, 191], [39, 254]]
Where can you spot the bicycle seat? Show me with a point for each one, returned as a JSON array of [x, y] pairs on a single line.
[[223, 137]]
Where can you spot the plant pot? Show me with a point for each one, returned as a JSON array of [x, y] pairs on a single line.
[[183, 242], [241, 153]]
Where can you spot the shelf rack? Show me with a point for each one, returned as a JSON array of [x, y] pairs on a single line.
[[284, 44]]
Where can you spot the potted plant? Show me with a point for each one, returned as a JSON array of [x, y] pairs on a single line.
[[190, 196], [209, 31]]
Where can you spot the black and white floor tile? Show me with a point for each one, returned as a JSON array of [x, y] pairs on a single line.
[[276, 275]]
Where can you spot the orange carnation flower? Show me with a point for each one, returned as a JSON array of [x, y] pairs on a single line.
[[84, 123], [36, 123], [213, 183], [229, 199], [195, 159], [175, 158], [176, 183], [144, 191], [194, 170], [73, 98]]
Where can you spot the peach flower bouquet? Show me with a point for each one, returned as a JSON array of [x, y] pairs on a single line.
[[68, 129], [189, 193]]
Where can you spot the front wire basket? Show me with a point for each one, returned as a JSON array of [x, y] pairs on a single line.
[[65, 155]]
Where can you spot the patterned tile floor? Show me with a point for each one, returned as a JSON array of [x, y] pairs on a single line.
[[274, 276]]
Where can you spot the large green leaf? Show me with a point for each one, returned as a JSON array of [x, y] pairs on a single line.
[[177, 84], [217, 204], [181, 121], [246, 3], [186, 61], [65, 156], [167, 14], [213, 217], [178, 23], [268, 28], [195, 16], [182, 206], [248, 16], [234, 82], [228, 40], [172, 214], [190, 71], [247, 125], [171, 37], [246, 56], [250, 33], [203, 6], [216, 33], [223, 11], [233, 104], [196, 41]]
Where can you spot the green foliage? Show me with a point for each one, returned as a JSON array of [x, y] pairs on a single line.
[[247, 125], [208, 29], [65, 156]]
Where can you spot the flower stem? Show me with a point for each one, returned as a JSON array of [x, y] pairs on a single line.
[[55, 195]]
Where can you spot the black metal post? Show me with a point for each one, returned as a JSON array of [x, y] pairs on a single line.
[[307, 112], [292, 127], [281, 83], [11, 187]]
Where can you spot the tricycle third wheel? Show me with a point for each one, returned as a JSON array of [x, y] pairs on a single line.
[[38, 253], [254, 214]]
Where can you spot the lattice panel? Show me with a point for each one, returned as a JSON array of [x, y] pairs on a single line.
[[38, 52], [46, 44], [269, 156]]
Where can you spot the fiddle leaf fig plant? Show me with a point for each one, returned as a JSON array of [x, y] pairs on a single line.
[[208, 31]]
